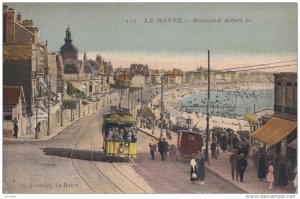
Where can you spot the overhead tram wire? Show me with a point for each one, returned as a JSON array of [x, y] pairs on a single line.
[[228, 70]]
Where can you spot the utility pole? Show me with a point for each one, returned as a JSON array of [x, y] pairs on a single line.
[[207, 110], [62, 103], [36, 117], [128, 99], [141, 105], [161, 107], [49, 98], [132, 95], [79, 108]]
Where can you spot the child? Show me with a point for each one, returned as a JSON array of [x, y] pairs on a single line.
[[270, 176]]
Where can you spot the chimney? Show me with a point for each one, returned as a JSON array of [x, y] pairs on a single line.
[[10, 25]]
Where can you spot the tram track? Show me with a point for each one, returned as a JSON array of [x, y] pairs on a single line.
[[100, 178], [151, 178], [72, 153]]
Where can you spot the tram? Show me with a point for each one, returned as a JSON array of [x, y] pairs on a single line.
[[119, 136]]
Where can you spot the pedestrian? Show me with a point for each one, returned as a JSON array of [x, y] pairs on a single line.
[[161, 148], [235, 141], [283, 179], [242, 165], [16, 129], [270, 176], [213, 148], [153, 148], [201, 168], [167, 148], [224, 143], [194, 172], [262, 168], [233, 159]]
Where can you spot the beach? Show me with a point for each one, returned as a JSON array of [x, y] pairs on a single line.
[[172, 99]]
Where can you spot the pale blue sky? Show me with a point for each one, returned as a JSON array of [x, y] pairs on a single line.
[[102, 28]]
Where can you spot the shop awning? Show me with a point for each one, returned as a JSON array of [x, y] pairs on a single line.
[[275, 130], [251, 118]]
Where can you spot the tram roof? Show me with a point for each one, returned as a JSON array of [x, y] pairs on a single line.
[[119, 118]]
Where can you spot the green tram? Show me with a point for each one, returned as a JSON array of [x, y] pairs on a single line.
[[119, 136]]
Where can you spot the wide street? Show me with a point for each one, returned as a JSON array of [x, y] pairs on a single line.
[[71, 163]]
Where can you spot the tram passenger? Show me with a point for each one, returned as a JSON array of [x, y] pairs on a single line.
[[121, 134], [109, 136], [115, 135], [129, 138]]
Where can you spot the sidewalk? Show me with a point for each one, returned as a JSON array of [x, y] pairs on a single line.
[[221, 168], [42, 136]]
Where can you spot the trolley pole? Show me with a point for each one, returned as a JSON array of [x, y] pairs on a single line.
[[161, 107], [207, 110]]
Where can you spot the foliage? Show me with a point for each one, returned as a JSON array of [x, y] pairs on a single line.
[[243, 133], [121, 84], [147, 113], [69, 104], [72, 91]]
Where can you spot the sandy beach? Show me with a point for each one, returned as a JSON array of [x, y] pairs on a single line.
[[172, 99]]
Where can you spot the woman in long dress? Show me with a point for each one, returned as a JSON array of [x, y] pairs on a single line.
[[262, 168], [270, 176], [194, 172], [201, 168]]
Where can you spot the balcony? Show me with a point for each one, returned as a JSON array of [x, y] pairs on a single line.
[[290, 111], [277, 108], [283, 110]]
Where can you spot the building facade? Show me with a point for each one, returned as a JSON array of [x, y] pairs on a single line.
[[280, 131]]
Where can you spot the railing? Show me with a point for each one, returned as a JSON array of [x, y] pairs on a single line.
[[290, 111], [277, 108]]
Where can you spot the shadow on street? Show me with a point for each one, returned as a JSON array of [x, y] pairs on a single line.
[[74, 153]]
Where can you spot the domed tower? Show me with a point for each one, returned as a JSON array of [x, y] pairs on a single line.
[[69, 53]]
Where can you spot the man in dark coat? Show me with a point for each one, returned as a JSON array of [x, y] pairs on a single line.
[[224, 142], [161, 148], [233, 159], [242, 165], [262, 168], [16, 129], [213, 148]]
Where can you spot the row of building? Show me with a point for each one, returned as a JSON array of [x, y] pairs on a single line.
[[36, 79]]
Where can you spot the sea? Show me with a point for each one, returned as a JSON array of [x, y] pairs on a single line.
[[229, 103]]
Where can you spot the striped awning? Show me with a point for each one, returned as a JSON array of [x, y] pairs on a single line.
[[275, 130]]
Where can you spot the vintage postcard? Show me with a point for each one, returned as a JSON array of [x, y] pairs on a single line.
[[164, 98]]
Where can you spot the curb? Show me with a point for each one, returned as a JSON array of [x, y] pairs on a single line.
[[148, 134], [220, 176]]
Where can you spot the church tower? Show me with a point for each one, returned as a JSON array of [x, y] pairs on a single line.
[[69, 53]]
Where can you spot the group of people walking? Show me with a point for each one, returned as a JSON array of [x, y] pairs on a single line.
[[163, 148], [238, 164]]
